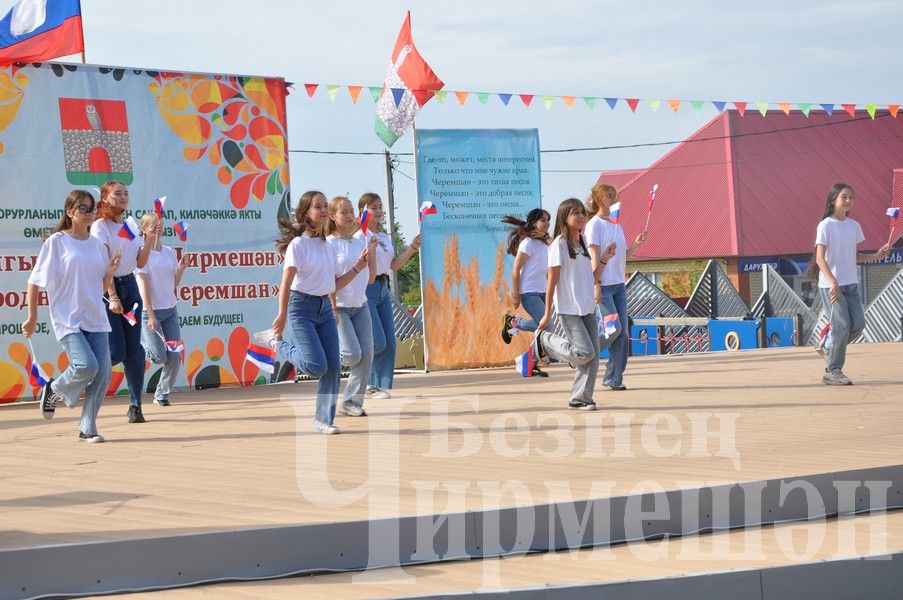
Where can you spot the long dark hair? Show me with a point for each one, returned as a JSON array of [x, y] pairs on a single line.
[[561, 228], [73, 201], [301, 225], [526, 229], [833, 193]]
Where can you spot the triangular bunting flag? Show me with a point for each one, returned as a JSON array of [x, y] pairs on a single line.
[[763, 107], [741, 107], [590, 102], [611, 102], [829, 108], [569, 101], [397, 95], [439, 95], [526, 99], [719, 105], [850, 108], [871, 109], [505, 98], [483, 97], [893, 109], [462, 97], [332, 89], [423, 96], [547, 101], [354, 91], [675, 105], [697, 105], [654, 104], [375, 93], [785, 106], [311, 89], [632, 103], [805, 108]]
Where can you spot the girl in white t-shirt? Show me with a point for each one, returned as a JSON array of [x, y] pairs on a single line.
[[570, 289], [528, 243], [379, 299], [310, 274], [75, 269], [157, 283], [350, 303], [836, 238], [611, 292]]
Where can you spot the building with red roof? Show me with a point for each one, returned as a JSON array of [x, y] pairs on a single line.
[[751, 189]]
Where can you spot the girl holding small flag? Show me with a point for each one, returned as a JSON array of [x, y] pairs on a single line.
[[157, 283], [528, 242], [350, 303], [75, 269], [120, 235], [603, 231], [836, 238], [570, 290], [309, 276], [378, 299]]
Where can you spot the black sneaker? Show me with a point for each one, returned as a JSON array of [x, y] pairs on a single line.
[[616, 388], [537, 372], [48, 400], [582, 405], [508, 322], [90, 438], [135, 415], [162, 402]]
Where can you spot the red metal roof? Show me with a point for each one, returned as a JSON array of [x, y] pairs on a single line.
[[754, 186]]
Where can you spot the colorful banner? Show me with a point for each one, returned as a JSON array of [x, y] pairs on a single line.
[[214, 145], [467, 181]]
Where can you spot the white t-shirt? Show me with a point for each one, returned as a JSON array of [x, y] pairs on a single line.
[[315, 263], [72, 272], [574, 292], [107, 231], [840, 239], [161, 277], [347, 252], [385, 251], [602, 232], [533, 273]]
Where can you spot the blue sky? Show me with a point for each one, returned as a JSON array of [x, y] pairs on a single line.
[[766, 51]]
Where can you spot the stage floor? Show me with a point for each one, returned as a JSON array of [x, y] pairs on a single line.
[[245, 458]]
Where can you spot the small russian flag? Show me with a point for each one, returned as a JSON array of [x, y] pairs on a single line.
[[524, 364], [130, 315], [609, 325], [263, 357], [364, 220], [894, 214], [823, 336], [38, 377], [652, 191], [614, 212], [427, 208], [126, 232], [181, 229], [158, 206], [174, 346]]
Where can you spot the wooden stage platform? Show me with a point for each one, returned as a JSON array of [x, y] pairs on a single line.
[[233, 460]]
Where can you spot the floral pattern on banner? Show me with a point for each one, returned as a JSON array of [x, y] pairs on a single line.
[[12, 92], [237, 122]]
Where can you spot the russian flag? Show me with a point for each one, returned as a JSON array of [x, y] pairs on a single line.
[[427, 208], [524, 364], [609, 325], [894, 214], [126, 232], [37, 376], [614, 212], [264, 358], [364, 220], [823, 336], [38, 30], [158, 206], [174, 346], [181, 229], [130, 315], [652, 191]]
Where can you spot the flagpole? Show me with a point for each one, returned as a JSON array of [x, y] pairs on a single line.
[[84, 60], [390, 211], [420, 252]]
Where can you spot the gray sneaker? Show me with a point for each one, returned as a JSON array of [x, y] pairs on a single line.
[[351, 410], [835, 377]]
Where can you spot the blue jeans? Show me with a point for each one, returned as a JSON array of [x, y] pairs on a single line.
[[614, 300], [383, 371], [156, 351], [356, 349], [316, 349], [125, 339], [88, 371], [847, 319], [535, 305]]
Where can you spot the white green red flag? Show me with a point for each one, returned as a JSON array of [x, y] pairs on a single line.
[[409, 84]]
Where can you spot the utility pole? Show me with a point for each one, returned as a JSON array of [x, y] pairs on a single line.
[[389, 205]]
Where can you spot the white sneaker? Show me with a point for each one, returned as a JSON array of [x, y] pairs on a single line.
[[267, 338], [352, 411], [378, 393], [90, 438], [324, 428]]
